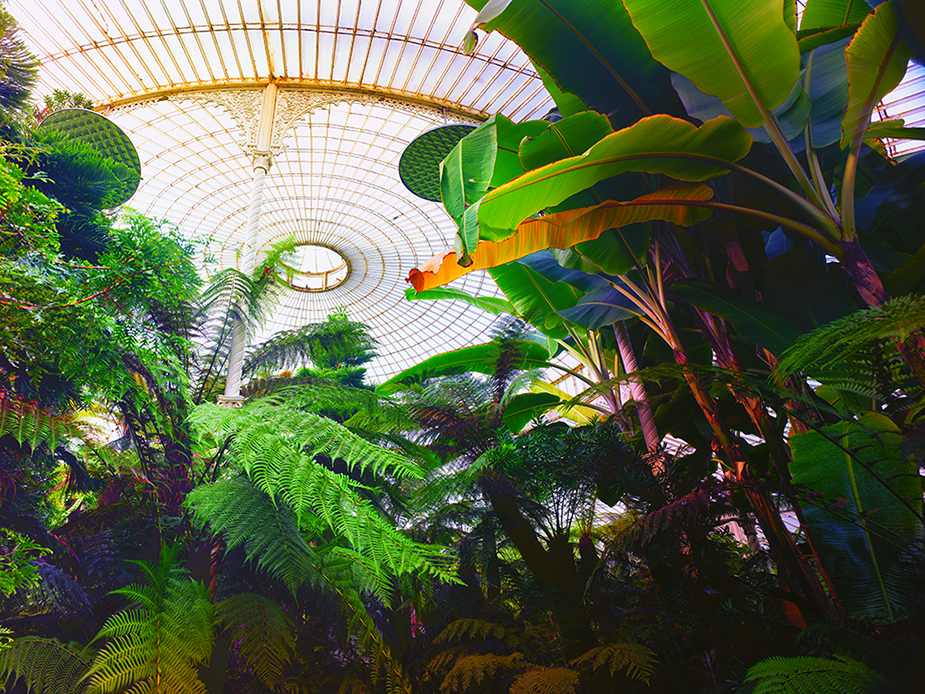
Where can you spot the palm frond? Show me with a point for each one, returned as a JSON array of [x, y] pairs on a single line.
[[18, 67], [471, 630], [31, 424], [470, 671], [337, 341]]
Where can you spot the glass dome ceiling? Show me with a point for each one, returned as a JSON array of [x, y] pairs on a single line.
[[357, 81]]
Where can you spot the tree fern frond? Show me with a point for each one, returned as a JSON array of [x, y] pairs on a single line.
[[335, 342], [546, 680], [46, 666], [264, 631], [830, 344], [470, 630], [636, 660], [31, 424], [805, 675], [156, 648], [55, 591], [471, 670], [246, 516]]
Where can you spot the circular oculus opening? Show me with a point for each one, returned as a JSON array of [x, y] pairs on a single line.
[[313, 268]]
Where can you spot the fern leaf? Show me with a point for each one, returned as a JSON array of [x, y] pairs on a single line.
[[546, 680], [30, 424], [470, 630], [264, 631], [637, 661], [830, 344], [46, 666], [156, 648], [805, 675], [470, 671]]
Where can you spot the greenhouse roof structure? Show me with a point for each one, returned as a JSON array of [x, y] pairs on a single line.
[[321, 98], [329, 94]]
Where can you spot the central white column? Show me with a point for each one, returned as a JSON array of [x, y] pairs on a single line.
[[261, 165]]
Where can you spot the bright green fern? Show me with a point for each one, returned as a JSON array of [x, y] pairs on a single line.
[[155, 648], [45, 666], [814, 676], [265, 633]]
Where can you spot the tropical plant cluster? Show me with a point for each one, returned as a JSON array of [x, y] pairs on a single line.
[[712, 235]]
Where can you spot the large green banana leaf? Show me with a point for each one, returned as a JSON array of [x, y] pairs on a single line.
[[537, 298], [478, 359], [565, 229], [680, 149], [486, 157], [525, 407], [877, 59], [796, 286], [589, 52], [863, 514], [752, 321], [819, 14], [825, 80], [492, 304], [791, 114], [744, 53], [565, 138]]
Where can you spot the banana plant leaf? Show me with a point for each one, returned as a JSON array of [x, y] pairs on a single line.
[[491, 304], [756, 36], [792, 114], [486, 157], [752, 321], [813, 39], [601, 307], [577, 413], [565, 229], [525, 407], [591, 53], [796, 286], [565, 138], [895, 129], [819, 14], [877, 60], [864, 511], [476, 359], [537, 298], [679, 148], [825, 80]]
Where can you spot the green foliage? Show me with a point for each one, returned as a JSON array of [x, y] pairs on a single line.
[[844, 342], [31, 424], [470, 629], [806, 675], [17, 570], [276, 441], [154, 649], [546, 680], [46, 666], [635, 659], [264, 631], [332, 344], [864, 509], [245, 515], [471, 670], [18, 67]]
